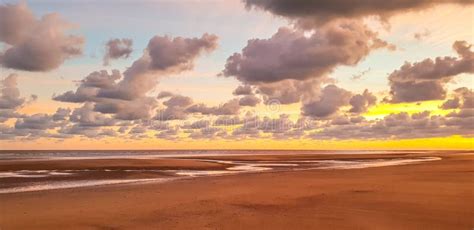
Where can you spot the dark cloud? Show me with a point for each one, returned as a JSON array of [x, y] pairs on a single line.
[[311, 12], [117, 48], [35, 44], [164, 94], [463, 98], [289, 54], [12, 133], [451, 104], [36, 121], [463, 121], [361, 102], [89, 87], [6, 114], [467, 96], [329, 102], [61, 114], [249, 100], [243, 90], [426, 80]]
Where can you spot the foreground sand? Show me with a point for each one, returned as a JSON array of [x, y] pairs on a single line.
[[431, 195]]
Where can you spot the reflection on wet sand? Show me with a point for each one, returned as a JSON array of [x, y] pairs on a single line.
[[26, 175]]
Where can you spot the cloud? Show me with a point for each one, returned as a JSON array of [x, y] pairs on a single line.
[[90, 86], [208, 133], [6, 114], [243, 90], [226, 120], [179, 101], [467, 96], [463, 98], [278, 125], [61, 114], [86, 116], [164, 94], [86, 131], [290, 91], [248, 129], [359, 76], [197, 125], [310, 13], [126, 97], [426, 80], [171, 113], [422, 34], [401, 126], [177, 54], [117, 48], [138, 132], [331, 99], [361, 102], [11, 133], [249, 100], [279, 128], [9, 93], [176, 107], [451, 104], [163, 55], [169, 134], [36, 121], [140, 108], [35, 44], [289, 54], [231, 107]]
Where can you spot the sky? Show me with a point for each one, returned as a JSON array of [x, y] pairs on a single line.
[[236, 74]]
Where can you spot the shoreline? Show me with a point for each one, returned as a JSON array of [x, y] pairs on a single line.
[[41, 174], [434, 195]]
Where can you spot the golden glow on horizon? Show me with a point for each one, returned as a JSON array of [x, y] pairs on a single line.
[[453, 142], [383, 109]]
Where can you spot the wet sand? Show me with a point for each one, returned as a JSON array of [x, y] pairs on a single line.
[[430, 195]]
